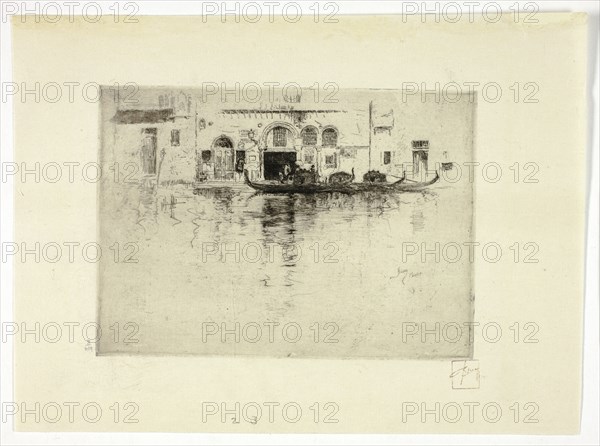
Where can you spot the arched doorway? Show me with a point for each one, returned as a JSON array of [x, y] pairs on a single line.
[[223, 157], [278, 143]]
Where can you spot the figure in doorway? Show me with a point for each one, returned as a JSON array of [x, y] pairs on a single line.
[[239, 169]]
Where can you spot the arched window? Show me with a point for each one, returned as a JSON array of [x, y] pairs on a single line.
[[309, 136], [223, 142], [280, 137], [330, 137]]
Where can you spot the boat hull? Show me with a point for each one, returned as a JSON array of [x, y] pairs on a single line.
[[344, 188]]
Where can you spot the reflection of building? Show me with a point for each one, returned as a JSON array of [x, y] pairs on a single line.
[[177, 136]]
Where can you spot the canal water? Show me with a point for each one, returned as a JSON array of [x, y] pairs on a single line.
[[226, 271]]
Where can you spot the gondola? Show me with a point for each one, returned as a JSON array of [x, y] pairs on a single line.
[[344, 188], [417, 185]]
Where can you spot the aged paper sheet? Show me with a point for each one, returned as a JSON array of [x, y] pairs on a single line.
[[374, 225]]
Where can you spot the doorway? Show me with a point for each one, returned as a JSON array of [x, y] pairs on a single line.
[[223, 150], [420, 162], [149, 151], [274, 163], [240, 160]]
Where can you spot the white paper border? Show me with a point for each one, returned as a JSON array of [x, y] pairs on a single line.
[[590, 414]]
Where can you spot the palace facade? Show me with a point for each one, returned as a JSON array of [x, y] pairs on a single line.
[[183, 136]]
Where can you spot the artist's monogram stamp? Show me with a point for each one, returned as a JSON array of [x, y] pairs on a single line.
[[465, 374]]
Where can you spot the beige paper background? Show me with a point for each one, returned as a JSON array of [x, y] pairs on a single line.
[[357, 52]]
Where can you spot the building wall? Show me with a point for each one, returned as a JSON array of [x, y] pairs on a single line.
[[449, 128]]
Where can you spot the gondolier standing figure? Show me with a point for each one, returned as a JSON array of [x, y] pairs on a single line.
[[286, 173]]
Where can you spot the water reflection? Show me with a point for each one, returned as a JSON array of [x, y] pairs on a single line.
[[224, 213], [230, 254]]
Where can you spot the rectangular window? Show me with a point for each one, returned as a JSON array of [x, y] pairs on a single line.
[[420, 145], [206, 156], [309, 156], [279, 137], [174, 137], [330, 160], [387, 157]]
